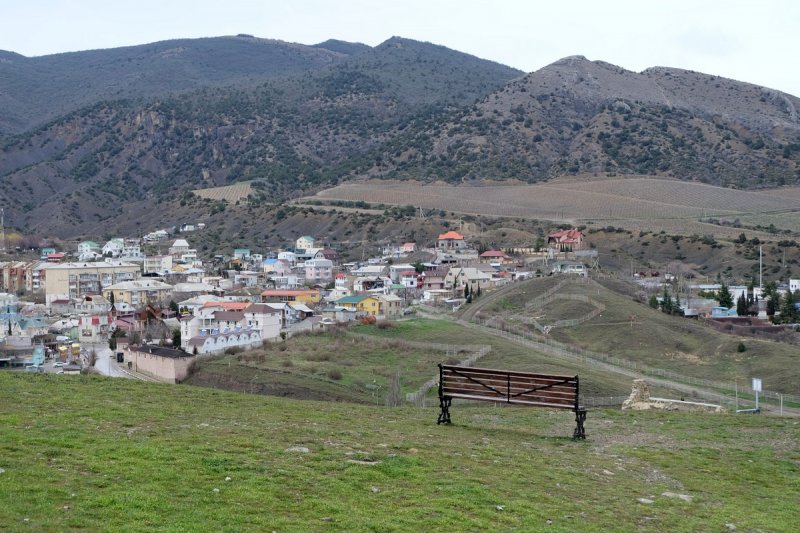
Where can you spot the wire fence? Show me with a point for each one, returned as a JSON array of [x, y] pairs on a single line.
[[610, 362]]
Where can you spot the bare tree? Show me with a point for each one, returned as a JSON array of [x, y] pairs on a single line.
[[395, 394]]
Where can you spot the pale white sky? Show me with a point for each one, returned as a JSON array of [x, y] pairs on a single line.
[[753, 41]]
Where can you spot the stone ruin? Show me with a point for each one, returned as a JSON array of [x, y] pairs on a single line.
[[640, 400]]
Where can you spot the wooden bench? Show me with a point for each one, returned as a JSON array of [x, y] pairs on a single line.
[[516, 388]]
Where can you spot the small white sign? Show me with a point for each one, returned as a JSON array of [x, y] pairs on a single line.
[[757, 384]]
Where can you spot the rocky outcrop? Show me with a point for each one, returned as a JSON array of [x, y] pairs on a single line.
[[640, 400]]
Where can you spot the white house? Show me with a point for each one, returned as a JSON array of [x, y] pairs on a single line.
[[794, 285], [179, 247], [216, 326], [87, 247], [289, 257], [304, 243], [132, 251], [114, 247], [157, 264]]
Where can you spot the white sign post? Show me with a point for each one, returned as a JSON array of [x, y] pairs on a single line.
[[756, 389]]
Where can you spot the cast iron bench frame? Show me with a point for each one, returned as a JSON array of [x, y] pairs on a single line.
[[516, 388]]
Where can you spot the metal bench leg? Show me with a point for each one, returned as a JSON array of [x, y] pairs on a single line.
[[580, 417], [444, 416]]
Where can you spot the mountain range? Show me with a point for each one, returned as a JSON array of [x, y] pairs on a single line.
[[88, 136]]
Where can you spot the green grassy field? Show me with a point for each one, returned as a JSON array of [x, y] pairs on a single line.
[[358, 364], [97, 454]]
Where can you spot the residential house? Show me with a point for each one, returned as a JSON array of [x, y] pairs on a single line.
[[377, 305], [451, 240], [570, 239], [396, 269], [338, 314], [289, 257], [164, 364], [319, 270], [279, 267], [88, 247], [191, 305], [391, 305], [218, 326], [157, 264], [304, 243], [288, 282], [139, 292], [330, 254], [267, 320], [496, 257], [374, 284], [308, 297], [341, 288], [90, 305], [132, 251], [179, 247], [44, 252], [114, 247], [242, 254], [794, 285], [410, 279], [433, 279], [458, 277], [362, 304], [94, 328]]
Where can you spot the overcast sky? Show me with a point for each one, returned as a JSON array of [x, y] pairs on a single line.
[[745, 40]]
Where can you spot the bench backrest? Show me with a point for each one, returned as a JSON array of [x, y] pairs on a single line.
[[521, 388]]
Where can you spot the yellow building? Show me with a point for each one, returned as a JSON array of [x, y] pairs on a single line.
[[291, 296], [73, 280], [377, 305], [140, 292]]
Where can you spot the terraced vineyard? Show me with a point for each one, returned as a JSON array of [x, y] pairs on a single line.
[[636, 203], [229, 193]]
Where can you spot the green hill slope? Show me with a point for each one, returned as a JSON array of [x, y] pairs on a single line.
[[101, 454]]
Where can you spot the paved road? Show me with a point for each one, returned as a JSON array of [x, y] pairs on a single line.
[[105, 363]]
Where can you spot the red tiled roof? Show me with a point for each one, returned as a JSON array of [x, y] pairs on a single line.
[[451, 235], [228, 306]]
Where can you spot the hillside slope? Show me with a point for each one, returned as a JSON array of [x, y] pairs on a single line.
[[293, 132], [579, 116], [96, 453], [35, 89]]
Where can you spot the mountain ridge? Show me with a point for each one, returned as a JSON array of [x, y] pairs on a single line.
[[404, 109]]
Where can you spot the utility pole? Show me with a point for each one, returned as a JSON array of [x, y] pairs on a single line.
[[760, 267], [2, 230]]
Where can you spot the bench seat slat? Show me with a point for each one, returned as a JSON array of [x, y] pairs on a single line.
[[515, 392], [513, 401]]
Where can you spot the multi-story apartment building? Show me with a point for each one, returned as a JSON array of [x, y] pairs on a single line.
[[73, 280], [139, 292]]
